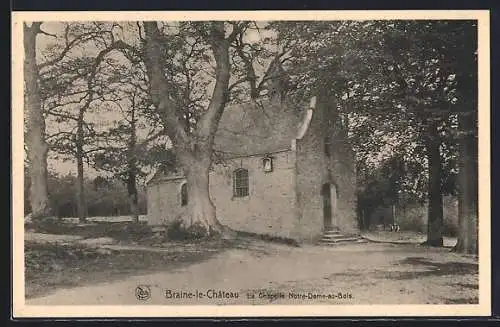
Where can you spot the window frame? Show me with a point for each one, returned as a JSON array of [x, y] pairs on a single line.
[[241, 183]]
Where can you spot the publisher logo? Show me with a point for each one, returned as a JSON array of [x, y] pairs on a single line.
[[142, 292]]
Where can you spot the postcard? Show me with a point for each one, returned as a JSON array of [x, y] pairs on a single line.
[[251, 163]]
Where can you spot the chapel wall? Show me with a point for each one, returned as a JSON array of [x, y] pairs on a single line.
[[270, 206]]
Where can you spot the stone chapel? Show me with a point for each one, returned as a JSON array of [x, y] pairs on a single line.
[[282, 169]]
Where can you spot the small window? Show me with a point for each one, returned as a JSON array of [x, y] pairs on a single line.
[[184, 195], [240, 184]]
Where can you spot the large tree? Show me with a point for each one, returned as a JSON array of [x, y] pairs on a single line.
[[193, 145], [76, 136], [35, 135], [465, 60]]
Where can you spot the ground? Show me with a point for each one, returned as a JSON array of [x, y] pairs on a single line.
[[255, 271]]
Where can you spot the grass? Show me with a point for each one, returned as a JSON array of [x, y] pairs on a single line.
[[53, 266], [121, 231]]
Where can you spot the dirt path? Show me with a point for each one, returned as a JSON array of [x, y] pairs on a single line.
[[362, 274]]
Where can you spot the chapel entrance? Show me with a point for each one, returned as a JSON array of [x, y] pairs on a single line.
[[329, 194]]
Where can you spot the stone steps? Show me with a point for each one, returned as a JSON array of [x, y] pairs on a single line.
[[335, 237]]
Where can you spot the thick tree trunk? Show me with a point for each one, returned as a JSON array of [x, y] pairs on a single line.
[[201, 209], [37, 147], [435, 198], [468, 186], [80, 188]]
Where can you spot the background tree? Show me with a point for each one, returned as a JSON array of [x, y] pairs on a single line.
[[135, 138], [72, 88]]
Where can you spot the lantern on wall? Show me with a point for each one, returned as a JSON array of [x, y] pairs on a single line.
[[267, 164]]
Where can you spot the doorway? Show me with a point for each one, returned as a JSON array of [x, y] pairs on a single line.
[[329, 194]]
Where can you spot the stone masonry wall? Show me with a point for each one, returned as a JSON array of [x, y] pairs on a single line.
[[269, 207], [314, 169], [311, 174], [164, 201], [344, 175], [342, 171]]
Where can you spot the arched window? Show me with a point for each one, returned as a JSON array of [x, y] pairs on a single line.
[[184, 194], [240, 182]]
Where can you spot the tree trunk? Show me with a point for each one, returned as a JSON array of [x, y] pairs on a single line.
[[468, 186], [80, 188], [134, 210], [201, 209], [132, 169], [435, 199], [37, 147]]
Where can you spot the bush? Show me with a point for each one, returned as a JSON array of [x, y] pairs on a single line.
[[104, 197], [177, 231]]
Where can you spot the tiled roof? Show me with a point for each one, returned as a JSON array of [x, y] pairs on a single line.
[[257, 127]]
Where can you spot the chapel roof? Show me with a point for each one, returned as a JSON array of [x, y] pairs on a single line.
[[257, 127]]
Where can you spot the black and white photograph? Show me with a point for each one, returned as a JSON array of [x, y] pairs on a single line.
[[237, 164]]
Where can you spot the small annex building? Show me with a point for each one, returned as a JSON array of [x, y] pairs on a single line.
[[281, 169]]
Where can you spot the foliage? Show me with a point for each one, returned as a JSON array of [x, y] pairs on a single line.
[[105, 197]]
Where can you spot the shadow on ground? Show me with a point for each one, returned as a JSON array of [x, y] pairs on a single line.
[[431, 269], [434, 268]]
